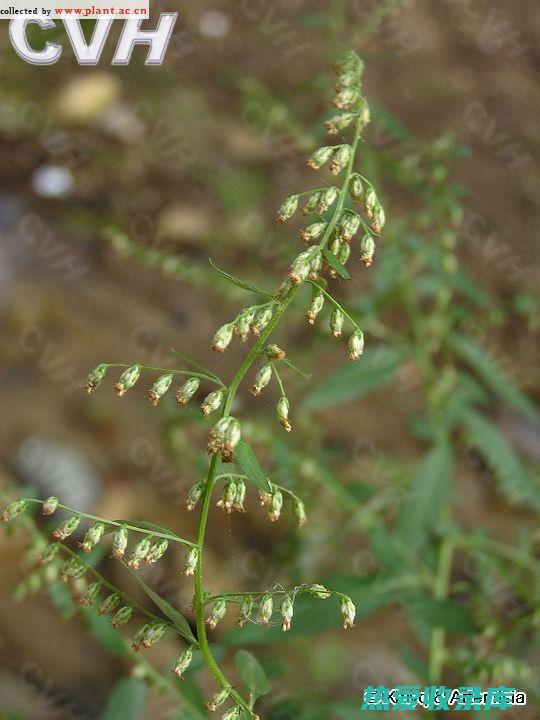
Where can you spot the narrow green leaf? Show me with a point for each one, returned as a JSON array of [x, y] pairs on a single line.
[[177, 619], [195, 365], [429, 490], [335, 264], [444, 613], [252, 673], [376, 368], [247, 460], [493, 375], [126, 702], [240, 283], [513, 480]]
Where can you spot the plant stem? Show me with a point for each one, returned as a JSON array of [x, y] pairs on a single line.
[[440, 592]]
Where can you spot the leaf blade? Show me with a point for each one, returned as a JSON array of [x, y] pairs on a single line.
[[239, 282], [247, 460], [336, 265], [126, 701], [252, 673]]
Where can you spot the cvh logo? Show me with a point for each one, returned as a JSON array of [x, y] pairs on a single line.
[[90, 53]]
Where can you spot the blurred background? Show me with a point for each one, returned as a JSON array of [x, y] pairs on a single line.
[[116, 186]]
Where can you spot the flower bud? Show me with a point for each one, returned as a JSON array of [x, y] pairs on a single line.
[[217, 699], [240, 496], [120, 541], [50, 506], [243, 322], [340, 158], [183, 662], [110, 603], [339, 122], [90, 595], [49, 553], [223, 337], [348, 611], [261, 319], [349, 62], [320, 157], [346, 98], [313, 231], [234, 713], [93, 536], [367, 250], [72, 570], [194, 494], [228, 496], [343, 253], [67, 528], [364, 114], [192, 558], [262, 378], [14, 509], [356, 345], [316, 265], [128, 379], [274, 352], [282, 290], [288, 208], [137, 639], [122, 617], [317, 302], [311, 204], [224, 437], [299, 512], [348, 226], [157, 551], [300, 268], [274, 511], [327, 198], [217, 614], [139, 553], [265, 610], [379, 218], [319, 591], [287, 610], [356, 188], [153, 634], [370, 201], [95, 377], [159, 388], [282, 412], [246, 609], [336, 322], [187, 390], [349, 78], [212, 402]]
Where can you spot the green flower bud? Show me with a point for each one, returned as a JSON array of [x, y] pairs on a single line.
[[348, 226], [299, 512], [287, 610], [228, 496], [194, 494], [212, 402], [72, 570], [379, 218], [153, 634], [240, 496], [339, 122], [262, 378], [370, 201], [187, 391], [138, 637], [120, 541], [282, 412], [367, 250], [122, 617], [320, 157], [346, 98], [157, 551], [343, 253], [218, 699], [283, 289], [356, 188], [224, 437], [312, 203], [243, 322], [327, 198], [265, 610], [223, 337], [319, 591], [90, 595], [275, 353], [349, 62], [316, 265], [276, 503], [183, 662], [348, 611], [192, 558], [49, 553], [313, 231], [159, 388], [139, 553], [93, 536], [50, 506], [95, 377], [128, 379], [340, 158], [261, 319], [317, 303], [246, 609], [67, 528], [300, 268], [336, 322], [14, 509], [110, 603], [217, 614], [288, 208], [364, 114], [234, 713], [349, 78], [356, 345]]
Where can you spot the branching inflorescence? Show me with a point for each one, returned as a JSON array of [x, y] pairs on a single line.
[[329, 237]]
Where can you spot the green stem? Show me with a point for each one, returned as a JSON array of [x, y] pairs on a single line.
[[440, 592]]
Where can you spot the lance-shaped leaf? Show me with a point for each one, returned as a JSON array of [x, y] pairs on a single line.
[[240, 283], [127, 700], [247, 460], [336, 265], [253, 675]]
